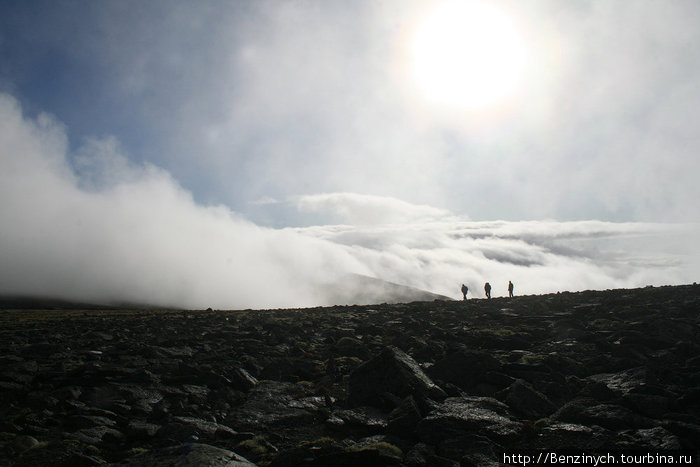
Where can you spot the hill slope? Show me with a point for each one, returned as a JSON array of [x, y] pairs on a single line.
[[356, 289], [422, 383]]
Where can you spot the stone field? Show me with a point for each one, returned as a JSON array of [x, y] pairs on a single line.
[[442, 383]]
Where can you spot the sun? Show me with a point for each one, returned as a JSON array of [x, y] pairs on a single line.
[[466, 55]]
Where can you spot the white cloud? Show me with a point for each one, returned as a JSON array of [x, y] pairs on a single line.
[[358, 209], [265, 200], [245, 100], [136, 235], [539, 257], [110, 230]]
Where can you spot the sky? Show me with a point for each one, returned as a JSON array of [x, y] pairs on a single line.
[[251, 154]]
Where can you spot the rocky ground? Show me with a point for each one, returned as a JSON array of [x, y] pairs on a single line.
[[441, 383]]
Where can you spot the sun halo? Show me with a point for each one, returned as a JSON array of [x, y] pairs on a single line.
[[466, 55]]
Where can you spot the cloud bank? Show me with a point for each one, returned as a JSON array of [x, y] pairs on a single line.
[[124, 233], [362, 209], [539, 256], [93, 226], [234, 98]]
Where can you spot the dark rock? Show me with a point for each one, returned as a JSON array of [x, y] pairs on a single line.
[[404, 418], [374, 451], [188, 455], [176, 433], [96, 435], [96, 385], [468, 370], [569, 436], [369, 419], [649, 405], [656, 438], [391, 372], [87, 421], [308, 453], [610, 416], [636, 389], [422, 455], [471, 449], [524, 400], [373, 454], [478, 459], [292, 369], [620, 384], [68, 392], [58, 453], [351, 347], [207, 429], [24, 442], [138, 429], [335, 454], [457, 416], [242, 380], [687, 433], [269, 405]]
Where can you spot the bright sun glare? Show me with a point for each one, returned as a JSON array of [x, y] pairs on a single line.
[[466, 55]]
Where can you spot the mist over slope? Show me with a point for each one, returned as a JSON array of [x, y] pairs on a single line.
[[88, 225], [356, 289]]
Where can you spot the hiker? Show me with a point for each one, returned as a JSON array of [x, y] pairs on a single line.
[[487, 289], [465, 289], [510, 289]]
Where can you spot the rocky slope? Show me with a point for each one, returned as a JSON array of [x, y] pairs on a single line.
[[441, 383]]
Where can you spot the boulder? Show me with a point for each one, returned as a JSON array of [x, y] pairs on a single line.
[[622, 383], [422, 455], [459, 416], [657, 438], [569, 436], [187, 455], [372, 452], [404, 418], [525, 400], [242, 380], [96, 435], [687, 433], [472, 450], [466, 369], [368, 420], [140, 430], [24, 442], [208, 429], [391, 374], [587, 411], [351, 347], [272, 405]]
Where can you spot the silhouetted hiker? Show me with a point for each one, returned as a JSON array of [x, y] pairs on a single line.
[[465, 289], [510, 289], [487, 289]]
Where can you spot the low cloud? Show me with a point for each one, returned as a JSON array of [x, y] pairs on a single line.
[[110, 231], [363, 209], [89, 225], [538, 256]]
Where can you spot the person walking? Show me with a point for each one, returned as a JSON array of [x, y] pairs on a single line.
[[465, 289], [510, 289], [487, 289]]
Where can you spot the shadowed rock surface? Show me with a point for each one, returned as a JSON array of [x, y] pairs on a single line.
[[415, 384]]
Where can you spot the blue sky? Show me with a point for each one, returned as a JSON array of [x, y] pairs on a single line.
[[292, 115]]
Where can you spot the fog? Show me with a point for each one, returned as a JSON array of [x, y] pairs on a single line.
[[93, 226], [538, 256], [135, 235]]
